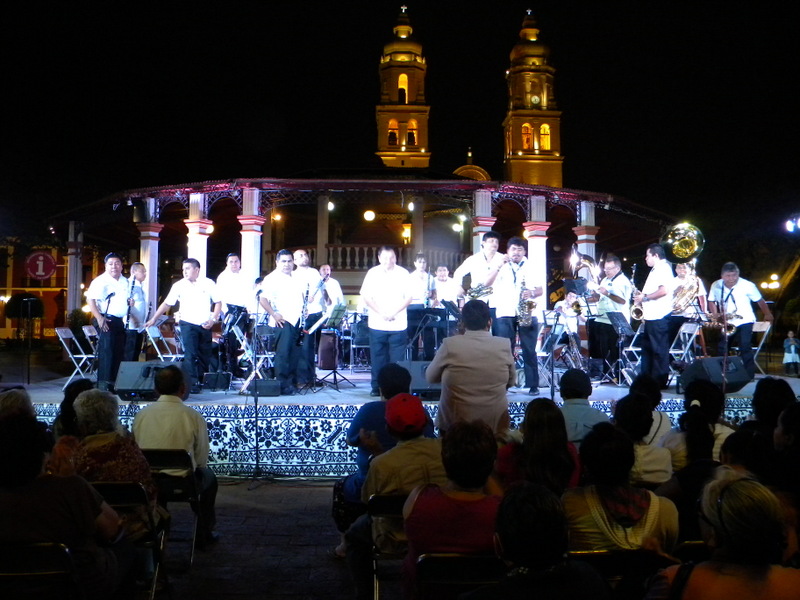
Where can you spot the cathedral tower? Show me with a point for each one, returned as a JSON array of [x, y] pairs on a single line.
[[402, 114], [532, 125]]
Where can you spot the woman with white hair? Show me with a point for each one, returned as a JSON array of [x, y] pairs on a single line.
[[742, 522]]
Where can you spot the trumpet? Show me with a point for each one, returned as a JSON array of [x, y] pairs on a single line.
[[576, 307]]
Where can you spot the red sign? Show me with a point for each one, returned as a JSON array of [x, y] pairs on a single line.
[[40, 265]]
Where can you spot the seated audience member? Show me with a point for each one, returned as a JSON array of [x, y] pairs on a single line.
[[751, 452], [742, 523], [415, 460], [649, 387], [633, 415], [712, 402], [579, 416], [475, 370], [16, 401], [531, 537], [458, 516], [368, 434], [771, 396], [786, 440], [66, 423], [686, 485], [39, 507], [169, 424], [544, 456], [609, 513]]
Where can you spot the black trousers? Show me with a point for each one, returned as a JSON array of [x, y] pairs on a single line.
[[196, 350], [111, 351]]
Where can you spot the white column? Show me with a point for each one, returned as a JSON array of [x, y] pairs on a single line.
[[482, 220], [418, 226], [148, 255], [197, 224], [586, 232], [252, 224]]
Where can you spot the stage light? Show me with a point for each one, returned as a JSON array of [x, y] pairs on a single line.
[[331, 206], [791, 225], [277, 217], [458, 227], [369, 215], [210, 230], [410, 206]]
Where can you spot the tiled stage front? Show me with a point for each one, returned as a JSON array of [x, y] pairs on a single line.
[[304, 435]]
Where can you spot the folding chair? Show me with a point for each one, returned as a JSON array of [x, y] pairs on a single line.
[[388, 508], [761, 330], [130, 498], [43, 570], [631, 354], [626, 571], [173, 473], [681, 352], [84, 361], [544, 356], [161, 346], [91, 335], [447, 575]]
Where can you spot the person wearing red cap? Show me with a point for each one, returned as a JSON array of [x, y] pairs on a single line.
[[414, 461]]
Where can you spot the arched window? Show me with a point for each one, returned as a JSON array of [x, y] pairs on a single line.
[[402, 89], [544, 137], [527, 137], [393, 132], [411, 137]]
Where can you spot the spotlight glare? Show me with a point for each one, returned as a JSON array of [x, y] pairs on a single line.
[[369, 215]]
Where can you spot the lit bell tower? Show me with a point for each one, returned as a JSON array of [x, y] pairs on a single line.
[[402, 114], [532, 125]]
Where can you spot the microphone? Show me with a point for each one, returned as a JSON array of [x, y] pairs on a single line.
[[28, 299], [111, 295], [258, 293]]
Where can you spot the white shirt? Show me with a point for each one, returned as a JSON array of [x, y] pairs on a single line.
[[334, 291], [285, 294], [508, 285], [620, 286], [660, 274], [195, 297], [102, 286], [420, 283], [310, 279], [737, 299], [171, 425], [568, 316], [447, 290], [234, 288], [138, 313], [478, 267], [389, 290]]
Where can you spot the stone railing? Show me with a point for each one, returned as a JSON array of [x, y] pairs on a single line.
[[360, 257]]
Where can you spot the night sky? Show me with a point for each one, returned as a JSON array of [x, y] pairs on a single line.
[[690, 107]]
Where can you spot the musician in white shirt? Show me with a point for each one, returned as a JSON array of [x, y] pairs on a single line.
[[235, 291], [331, 290], [315, 306], [733, 296], [483, 266], [137, 312], [107, 297], [446, 290], [422, 289], [282, 295]]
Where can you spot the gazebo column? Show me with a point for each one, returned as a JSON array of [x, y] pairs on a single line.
[[586, 231], [198, 224], [74, 266], [149, 234], [536, 234], [482, 220], [252, 224], [323, 220]]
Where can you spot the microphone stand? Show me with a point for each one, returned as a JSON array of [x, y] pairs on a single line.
[[257, 479]]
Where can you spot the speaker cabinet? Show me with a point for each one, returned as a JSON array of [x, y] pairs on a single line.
[[135, 380], [710, 369], [420, 385]]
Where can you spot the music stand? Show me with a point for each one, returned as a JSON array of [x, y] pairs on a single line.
[[623, 329], [334, 321]]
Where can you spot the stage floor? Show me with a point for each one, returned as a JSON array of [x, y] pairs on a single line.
[[304, 435]]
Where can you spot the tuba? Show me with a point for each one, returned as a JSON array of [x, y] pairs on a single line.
[[683, 243]]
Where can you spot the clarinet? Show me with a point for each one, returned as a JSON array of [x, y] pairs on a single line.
[[130, 297], [301, 326]]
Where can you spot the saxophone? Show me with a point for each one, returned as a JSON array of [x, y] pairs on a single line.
[[479, 291], [525, 308], [637, 312]]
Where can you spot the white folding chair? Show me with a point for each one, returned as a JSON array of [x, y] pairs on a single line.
[[91, 335], [161, 346], [760, 333], [682, 349], [84, 361]]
